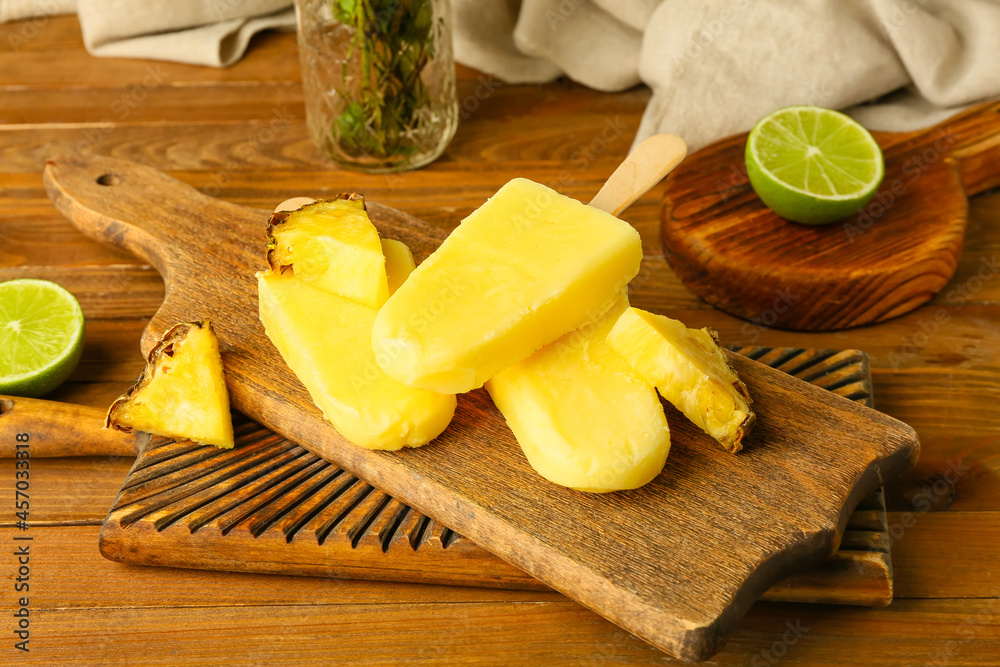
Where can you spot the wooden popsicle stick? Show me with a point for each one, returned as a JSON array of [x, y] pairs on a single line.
[[293, 203], [59, 429], [646, 166]]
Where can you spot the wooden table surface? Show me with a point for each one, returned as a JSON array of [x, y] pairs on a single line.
[[239, 134]]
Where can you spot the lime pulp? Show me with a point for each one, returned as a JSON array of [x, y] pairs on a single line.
[[813, 165], [41, 336]]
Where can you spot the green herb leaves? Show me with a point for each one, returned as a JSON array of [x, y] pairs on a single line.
[[381, 86]]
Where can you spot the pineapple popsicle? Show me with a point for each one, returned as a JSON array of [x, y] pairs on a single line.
[[324, 338], [519, 272], [582, 417], [324, 335]]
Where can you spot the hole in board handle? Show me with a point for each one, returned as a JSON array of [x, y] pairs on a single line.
[[109, 179]]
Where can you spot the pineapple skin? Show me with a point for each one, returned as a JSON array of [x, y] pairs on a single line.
[[181, 411], [690, 370]]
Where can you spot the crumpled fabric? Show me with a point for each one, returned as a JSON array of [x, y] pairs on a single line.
[[717, 66]]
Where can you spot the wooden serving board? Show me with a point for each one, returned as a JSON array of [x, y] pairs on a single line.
[[895, 254], [677, 562], [271, 506]]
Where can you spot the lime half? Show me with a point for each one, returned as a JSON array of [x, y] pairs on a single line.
[[813, 165], [41, 336]]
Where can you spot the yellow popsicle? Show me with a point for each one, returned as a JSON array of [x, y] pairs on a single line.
[[582, 417], [399, 263], [326, 341], [525, 268]]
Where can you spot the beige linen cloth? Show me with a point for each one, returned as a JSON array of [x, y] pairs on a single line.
[[197, 32], [715, 66]]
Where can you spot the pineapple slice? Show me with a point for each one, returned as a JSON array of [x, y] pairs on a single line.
[[332, 245], [582, 417], [690, 370], [182, 391]]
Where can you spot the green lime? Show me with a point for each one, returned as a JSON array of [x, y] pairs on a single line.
[[813, 165], [41, 336]]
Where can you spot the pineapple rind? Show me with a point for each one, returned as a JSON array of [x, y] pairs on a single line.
[[690, 370], [181, 393]]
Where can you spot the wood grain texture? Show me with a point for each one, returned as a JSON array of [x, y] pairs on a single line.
[[781, 506], [99, 612], [888, 259], [91, 611], [276, 508]]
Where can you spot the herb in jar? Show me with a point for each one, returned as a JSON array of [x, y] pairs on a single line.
[[394, 41]]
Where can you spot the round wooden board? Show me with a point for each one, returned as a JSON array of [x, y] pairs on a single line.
[[901, 249]]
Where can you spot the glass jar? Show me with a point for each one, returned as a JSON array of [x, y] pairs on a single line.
[[379, 80]]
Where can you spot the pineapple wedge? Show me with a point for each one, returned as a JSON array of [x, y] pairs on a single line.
[[182, 391], [582, 417], [331, 244], [690, 370]]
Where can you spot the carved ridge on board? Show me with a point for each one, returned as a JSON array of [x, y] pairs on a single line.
[[303, 494]]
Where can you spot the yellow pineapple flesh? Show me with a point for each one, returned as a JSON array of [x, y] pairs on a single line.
[[582, 417], [332, 245], [690, 370], [182, 391], [325, 339]]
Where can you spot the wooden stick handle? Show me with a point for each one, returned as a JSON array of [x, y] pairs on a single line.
[[646, 166], [58, 429]]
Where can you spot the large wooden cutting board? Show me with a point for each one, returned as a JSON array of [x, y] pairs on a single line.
[[271, 506], [677, 562]]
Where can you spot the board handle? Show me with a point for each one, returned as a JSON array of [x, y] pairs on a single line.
[[123, 203], [973, 140], [180, 231], [53, 429]]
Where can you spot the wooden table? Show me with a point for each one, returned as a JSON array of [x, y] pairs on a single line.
[[239, 134]]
